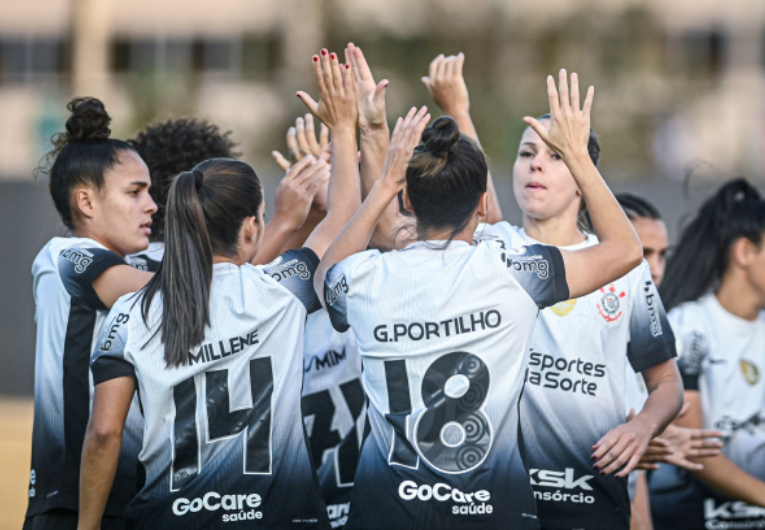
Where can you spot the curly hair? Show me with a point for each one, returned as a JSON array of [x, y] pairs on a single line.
[[172, 147]]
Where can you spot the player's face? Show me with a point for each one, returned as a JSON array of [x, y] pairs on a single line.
[[756, 271], [543, 185], [653, 237], [123, 207]]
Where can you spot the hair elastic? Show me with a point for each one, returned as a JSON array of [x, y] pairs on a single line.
[[198, 176]]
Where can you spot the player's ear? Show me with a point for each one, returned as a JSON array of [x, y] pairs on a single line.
[[84, 202], [483, 206], [405, 199]]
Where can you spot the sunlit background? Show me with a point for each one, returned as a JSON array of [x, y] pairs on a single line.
[[680, 102]]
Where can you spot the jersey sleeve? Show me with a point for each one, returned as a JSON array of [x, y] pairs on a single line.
[[540, 271], [652, 341], [109, 359], [79, 267], [692, 349], [294, 270], [341, 278]]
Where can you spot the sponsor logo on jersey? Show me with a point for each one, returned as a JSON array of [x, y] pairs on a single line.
[[138, 263], [290, 269], [564, 374], [534, 264], [328, 360], [79, 257], [730, 426], [415, 331], [241, 507], [464, 503], [563, 308], [114, 326], [559, 479], [340, 287], [750, 371], [610, 304], [338, 514], [32, 482], [732, 515], [653, 311], [212, 352]]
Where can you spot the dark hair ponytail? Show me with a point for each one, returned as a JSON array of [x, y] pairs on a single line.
[[446, 177], [636, 207], [205, 211], [701, 257], [81, 155]]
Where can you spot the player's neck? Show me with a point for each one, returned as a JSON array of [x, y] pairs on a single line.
[[556, 231], [85, 233], [737, 296], [466, 234]]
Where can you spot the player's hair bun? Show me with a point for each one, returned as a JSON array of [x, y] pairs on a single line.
[[440, 137], [89, 122]]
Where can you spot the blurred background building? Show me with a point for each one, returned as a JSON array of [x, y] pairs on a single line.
[[680, 90]]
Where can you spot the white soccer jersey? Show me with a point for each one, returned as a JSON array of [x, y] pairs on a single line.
[[334, 410], [69, 315], [575, 389], [722, 357], [149, 259], [224, 444], [443, 334]]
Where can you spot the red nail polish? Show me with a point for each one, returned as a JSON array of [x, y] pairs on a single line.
[[324, 52], [347, 66], [333, 56], [316, 58]]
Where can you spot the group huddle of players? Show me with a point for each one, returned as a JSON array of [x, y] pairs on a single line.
[[386, 351]]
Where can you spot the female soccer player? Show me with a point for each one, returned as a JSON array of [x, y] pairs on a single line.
[[214, 347], [100, 187], [715, 289], [443, 326], [676, 444], [579, 447]]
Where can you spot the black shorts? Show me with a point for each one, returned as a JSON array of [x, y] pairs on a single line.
[[67, 520]]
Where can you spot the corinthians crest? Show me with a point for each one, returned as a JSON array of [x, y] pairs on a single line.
[[610, 305], [750, 371]]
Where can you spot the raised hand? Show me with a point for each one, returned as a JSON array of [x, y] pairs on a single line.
[[297, 189], [406, 136], [446, 85], [369, 95], [337, 92], [569, 124], [302, 141]]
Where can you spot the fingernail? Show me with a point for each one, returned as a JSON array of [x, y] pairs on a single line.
[[316, 58], [347, 66], [602, 473], [324, 52], [333, 56]]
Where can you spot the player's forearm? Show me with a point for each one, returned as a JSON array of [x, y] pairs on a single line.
[[100, 455], [665, 398], [344, 194], [355, 236], [726, 477], [467, 128], [611, 225], [274, 237]]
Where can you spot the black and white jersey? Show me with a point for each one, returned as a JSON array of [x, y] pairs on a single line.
[[722, 357], [575, 389], [69, 315], [149, 259], [223, 444], [334, 410], [443, 334]]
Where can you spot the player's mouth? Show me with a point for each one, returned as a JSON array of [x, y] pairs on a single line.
[[535, 186], [146, 228]]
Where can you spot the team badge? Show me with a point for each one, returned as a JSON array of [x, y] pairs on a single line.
[[750, 371], [610, 305], [564, 308]]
